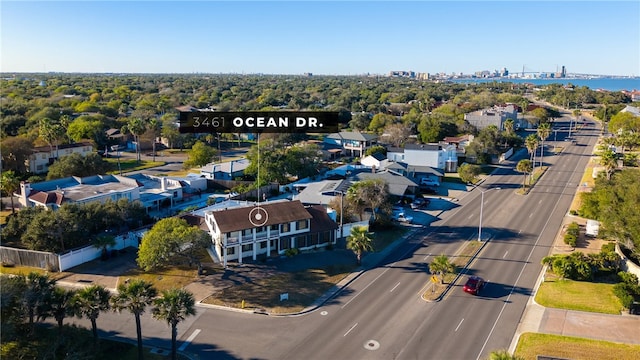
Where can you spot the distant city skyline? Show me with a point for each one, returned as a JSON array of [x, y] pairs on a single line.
[[324, 38]]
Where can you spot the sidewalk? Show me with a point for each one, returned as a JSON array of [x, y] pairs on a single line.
[[536, 318]]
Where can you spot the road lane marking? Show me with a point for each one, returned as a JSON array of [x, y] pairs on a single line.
[[348, 331], [470, 216], [505, 254], [189, 340], [394, 287], [426, 257], [457, 327], [365, 288], [535, 244]]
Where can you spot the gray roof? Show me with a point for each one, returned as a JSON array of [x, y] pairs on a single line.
[[226, 167], [431, 147], [322, 192], [352, 135], [398, 184]]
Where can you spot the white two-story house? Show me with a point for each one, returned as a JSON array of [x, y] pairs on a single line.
[[352, 143], [43, 156], [269, 229]]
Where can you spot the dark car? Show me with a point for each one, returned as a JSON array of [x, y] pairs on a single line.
[[474, 285], [420, 203]]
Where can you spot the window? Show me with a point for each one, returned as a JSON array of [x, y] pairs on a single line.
[[231, 251], [263, 245], [247, 247], [285, 227], [274, 227], [175, 194], [302, 224]]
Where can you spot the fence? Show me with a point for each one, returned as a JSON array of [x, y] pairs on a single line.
[[346, 228], [54, 262], [628, 265], [37, 259]]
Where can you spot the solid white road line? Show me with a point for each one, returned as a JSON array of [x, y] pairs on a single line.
[[189, 340], [394, 287], [348, 331], [457, 327]]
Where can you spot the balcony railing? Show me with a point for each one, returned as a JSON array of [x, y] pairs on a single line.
[[247, 239]]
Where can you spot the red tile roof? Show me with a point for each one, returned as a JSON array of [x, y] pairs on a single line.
[[44, 197]]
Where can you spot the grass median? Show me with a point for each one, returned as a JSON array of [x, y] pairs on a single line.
[[461, 260]]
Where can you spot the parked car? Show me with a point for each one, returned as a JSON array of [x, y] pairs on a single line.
[[420, 203], [474, 285], [428, 181], [401, 217]]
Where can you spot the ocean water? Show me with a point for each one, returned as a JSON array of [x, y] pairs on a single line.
[[605, 83]]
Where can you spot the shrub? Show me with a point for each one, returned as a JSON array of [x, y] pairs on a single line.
[[570, 240], [291, 252], [573, 229], [608, 247], [628, 290]]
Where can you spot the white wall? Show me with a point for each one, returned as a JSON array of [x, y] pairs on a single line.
[[89, 253]]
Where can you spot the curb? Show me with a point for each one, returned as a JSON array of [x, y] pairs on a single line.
[[459, 275]]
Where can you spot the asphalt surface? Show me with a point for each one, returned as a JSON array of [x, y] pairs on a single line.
[[377, 313]]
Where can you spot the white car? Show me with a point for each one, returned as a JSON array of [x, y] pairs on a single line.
[[401, 217], [429, 182]]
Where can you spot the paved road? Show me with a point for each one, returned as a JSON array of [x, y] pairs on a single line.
[[380, 315]]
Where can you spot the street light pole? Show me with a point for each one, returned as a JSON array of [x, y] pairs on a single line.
[[481, 207], [341, 211]]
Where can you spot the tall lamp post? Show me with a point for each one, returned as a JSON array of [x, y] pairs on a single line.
[[481, 206], [341, 211]]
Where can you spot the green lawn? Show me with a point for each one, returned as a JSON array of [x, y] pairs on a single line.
[[127, 165], [530, 345], [578, 295]]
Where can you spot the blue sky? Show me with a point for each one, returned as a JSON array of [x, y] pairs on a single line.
[[321, 37]]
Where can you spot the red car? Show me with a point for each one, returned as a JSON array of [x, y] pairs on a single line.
[[474, 285]]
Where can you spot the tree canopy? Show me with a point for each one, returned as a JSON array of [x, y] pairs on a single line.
[[615, 204], [172, 241], [199, 155]]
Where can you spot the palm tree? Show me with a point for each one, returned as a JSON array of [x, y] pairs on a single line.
[[544, 130], [359, 241], [609, 159], [503, 355], [50, 132], [174, 306], [135, 296], [155, 125], [136, 127], [103, 241], [9, 183], [89, 302], [37, 291], [524, 166], [61, 304], [531, 142], [441, 265], [508, 126]]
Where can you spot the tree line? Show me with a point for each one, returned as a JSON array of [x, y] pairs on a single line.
[[67, 108], [33, 298], [72, 225]]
